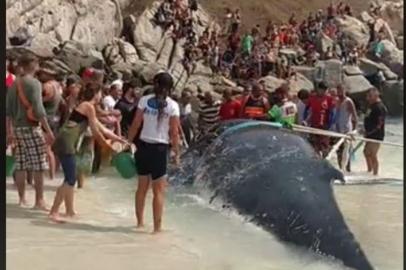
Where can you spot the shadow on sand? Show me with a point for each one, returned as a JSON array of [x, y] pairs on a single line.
[[14, 211], [11, 186], [76, 226]]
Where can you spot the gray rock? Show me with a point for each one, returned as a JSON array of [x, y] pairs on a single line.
[[356, 84], [324, 42], [149, 70], [77, 55], [392, 96], [148, 35], [354, 29], [271, 83], [288, 52], [94, 22], [399, 42], [330, 71], [120, 51], [393, 57], [306, 71], [392, 13], [350, 70], [199, 81], [365, 17], [370, 68], [300, 82]]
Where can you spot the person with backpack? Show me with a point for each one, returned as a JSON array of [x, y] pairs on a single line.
[[26, 119]]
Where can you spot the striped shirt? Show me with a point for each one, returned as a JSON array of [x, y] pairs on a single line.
[[209, 113]]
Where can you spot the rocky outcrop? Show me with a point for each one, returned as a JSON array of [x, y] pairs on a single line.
[[393, 57], [330, 71], [392, 96], [77, 55], [354, 29], [392, 13], [94, 22]]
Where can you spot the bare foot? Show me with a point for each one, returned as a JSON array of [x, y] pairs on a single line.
[[69, 215], [140, 226], [23, 203], [157, 231], [41, 207], [55, 218]]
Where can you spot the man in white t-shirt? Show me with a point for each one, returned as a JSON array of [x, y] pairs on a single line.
[[159, 116], [116, 91]]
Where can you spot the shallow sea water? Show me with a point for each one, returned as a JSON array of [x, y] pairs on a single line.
[[199, 235]]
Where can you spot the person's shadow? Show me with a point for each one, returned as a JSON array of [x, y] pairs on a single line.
[[40, 218], [88, 227]]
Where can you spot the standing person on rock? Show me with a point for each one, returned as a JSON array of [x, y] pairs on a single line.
[[25, 115], [374, 125], [159, 116]]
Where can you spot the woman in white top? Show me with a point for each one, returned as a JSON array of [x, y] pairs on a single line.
[[159, 116]]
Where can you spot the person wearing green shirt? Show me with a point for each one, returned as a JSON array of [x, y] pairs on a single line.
[[283, 111], [28, 129], [248, 42]]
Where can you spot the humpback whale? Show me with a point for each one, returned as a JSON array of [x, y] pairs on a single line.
[[274, 177]]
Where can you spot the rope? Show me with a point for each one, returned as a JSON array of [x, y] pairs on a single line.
[[316, 131]]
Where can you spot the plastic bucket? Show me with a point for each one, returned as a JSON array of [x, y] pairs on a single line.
[[10, 164], [125, 165]]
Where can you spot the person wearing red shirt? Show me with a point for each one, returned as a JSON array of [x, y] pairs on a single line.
[[10, 78], [230, 108], [321, 108]]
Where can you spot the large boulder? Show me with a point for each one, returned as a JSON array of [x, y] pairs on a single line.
[[354, 29], [393, 57], [306, 71], [119, 51], [88, 21], [271, 83], [371, 68], [392, 96], [77, 55], [155, 44], [356, 84], [357, 87], [330, 71], [147, 34], [299, 82], [324, 42], [392, 12]]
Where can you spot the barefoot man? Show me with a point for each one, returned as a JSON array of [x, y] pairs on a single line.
[[25, 115]]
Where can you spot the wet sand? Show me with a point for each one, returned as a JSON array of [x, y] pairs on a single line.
[[94, 241]]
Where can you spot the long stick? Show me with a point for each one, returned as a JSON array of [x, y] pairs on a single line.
[[335, 148], [316, 131]]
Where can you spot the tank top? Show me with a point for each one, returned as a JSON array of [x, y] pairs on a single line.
[[51, 106], [254, 107], [343, 118], [69, 138]]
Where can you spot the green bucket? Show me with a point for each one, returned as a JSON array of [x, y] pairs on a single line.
[[10, 164], [125, 165]]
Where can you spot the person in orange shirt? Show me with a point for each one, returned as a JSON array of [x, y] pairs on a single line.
[[255, 106]]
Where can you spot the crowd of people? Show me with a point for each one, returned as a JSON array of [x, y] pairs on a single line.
[[73, 123], [273, 49]]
